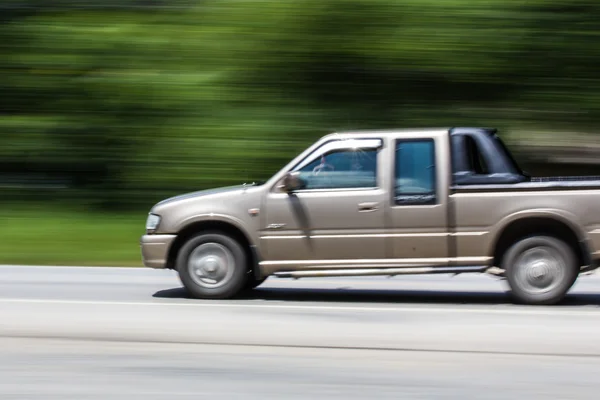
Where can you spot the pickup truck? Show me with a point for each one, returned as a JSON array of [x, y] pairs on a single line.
[[386, 202]]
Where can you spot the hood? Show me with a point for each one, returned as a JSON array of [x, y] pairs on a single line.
[[201, 193]]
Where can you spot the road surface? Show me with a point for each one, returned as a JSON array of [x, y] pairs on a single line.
[[116, 333]]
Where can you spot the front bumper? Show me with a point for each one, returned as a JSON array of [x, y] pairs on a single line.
[[155, 250]]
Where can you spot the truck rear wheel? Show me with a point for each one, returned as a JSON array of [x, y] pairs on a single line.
[[540, 270], [212, 266]]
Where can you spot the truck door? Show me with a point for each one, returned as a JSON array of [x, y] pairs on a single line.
[[418, 217], [338, 218]]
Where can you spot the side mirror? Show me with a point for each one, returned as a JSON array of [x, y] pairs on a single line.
[[292, 182]]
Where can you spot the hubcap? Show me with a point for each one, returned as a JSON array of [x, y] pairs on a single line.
[[540, 269], [211, 265]]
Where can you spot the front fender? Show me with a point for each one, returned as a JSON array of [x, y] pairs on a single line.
[[211, 217]]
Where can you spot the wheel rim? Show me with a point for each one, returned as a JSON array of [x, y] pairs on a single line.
[[211, 265], [540, 270]]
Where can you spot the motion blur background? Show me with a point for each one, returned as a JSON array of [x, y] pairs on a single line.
[[109, 106]]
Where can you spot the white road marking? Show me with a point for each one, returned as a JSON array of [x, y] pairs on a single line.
[[513, 310], [107, 268]]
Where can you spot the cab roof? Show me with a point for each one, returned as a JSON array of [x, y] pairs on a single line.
[[412, 132]]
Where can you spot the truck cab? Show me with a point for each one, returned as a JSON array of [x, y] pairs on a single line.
[[390, 202]]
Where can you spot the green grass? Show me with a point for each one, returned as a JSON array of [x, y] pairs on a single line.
[[39, 236]]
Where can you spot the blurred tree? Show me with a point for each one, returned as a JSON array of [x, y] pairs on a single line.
[[130, 99]]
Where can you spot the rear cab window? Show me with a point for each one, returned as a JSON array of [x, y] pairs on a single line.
[[414, 172]]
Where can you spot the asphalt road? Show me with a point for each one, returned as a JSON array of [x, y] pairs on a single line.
[[113, 333]]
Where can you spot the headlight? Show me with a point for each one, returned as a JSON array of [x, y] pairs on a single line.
[[152, 222]]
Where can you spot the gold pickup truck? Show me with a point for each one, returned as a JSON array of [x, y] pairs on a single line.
[[391, 202]]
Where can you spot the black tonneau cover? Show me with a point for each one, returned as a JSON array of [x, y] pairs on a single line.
[[470, 147]]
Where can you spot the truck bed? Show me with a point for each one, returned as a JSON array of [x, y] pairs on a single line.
[[566, 179], [537, 184]]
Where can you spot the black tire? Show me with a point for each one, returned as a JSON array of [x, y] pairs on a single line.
[[253, 283], [235, 269], [547, 282]]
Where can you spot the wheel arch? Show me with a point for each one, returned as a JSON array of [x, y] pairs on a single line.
[[549, 222], [223, 225]]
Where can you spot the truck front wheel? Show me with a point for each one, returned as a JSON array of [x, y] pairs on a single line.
[[253, 283], [540, 270], [212, 266]]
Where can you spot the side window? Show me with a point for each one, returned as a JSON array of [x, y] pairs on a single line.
[[341, 169], [415, 179]]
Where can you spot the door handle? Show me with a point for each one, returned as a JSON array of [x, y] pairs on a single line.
[[368, 207]]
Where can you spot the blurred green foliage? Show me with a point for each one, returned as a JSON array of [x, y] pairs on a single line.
[[45, 235], [123, 103]]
